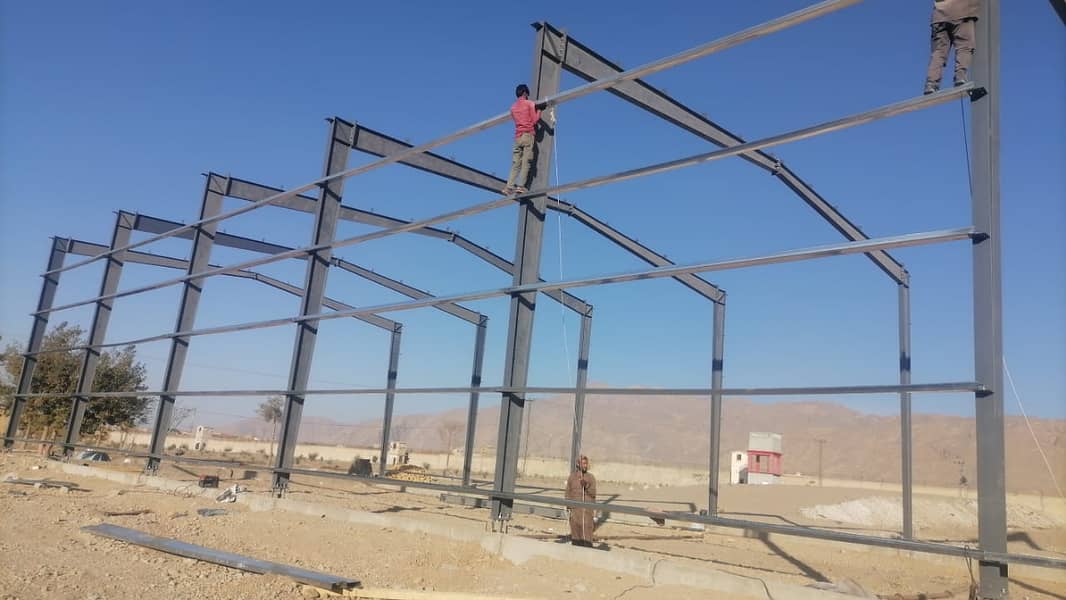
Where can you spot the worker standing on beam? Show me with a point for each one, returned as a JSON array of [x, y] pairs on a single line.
[[952, 25], [526, 115]]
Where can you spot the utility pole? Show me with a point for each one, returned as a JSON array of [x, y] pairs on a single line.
[[821, 446]]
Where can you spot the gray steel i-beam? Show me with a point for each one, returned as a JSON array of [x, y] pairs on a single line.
[[590, 66], [199, 259], [717, 366], [988, 303], [337, 146], [98, 331], [471, 413], [581, 385], [40, 323], [905, 438], [390, 399], [529, 239]]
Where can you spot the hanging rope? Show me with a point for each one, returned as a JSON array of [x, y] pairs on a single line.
[[559, 229], [966, 144], [1036, 441]]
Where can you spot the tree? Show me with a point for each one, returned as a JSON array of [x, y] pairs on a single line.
[[57, 372], [447, 431], [271, 411]]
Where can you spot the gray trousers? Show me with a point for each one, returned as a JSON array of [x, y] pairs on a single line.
[[521, 157], [943, 36]]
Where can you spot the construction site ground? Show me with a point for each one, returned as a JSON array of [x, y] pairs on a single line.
[[44, 554]]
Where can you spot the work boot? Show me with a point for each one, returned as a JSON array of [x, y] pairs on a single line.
[[519, 189], [507, 190], [930, 88], [960, 82]]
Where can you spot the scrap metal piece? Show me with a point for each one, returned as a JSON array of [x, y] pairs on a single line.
[[227, 559]]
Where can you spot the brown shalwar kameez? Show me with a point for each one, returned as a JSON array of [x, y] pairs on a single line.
[[582, 487]]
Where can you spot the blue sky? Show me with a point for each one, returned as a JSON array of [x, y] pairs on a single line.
[[108, 106]]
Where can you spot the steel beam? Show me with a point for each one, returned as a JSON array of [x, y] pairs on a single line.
[[390, 399], [528, 241], [98, 331], [988, 304], [254, 192], [588, 65], [199, 259], [49, 284], [717, 365], [316, 579], [905, 439], [83, 248], [471, 413], [784, 22], [379, 144], [917, 388], [816, 252], [456, 310], [883, 112], [329, 202], [150, 224], [580, 387]]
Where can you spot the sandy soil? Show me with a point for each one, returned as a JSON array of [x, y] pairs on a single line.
[[67, 563]]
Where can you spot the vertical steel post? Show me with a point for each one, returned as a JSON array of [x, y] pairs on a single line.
[[582, 381], [338, 145], [471, 413], [717, 358], [988, 303], [101, 316], [529, 240], [390, 397], [905, 438], [40, 324], [203, 240]]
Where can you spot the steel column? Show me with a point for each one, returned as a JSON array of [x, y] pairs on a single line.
[[905, 438], [717, 358], [580, 385], [337, 148], [475, 395], [40, 324], [988, 303], [390, 397], [529, 239], [199, 259], [101, 316]]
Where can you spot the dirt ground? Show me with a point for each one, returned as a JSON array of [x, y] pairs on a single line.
[[43, 553]]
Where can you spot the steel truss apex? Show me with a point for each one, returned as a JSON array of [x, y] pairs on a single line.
[[815, 252], [883, 112], [582, 61], [736, 39]]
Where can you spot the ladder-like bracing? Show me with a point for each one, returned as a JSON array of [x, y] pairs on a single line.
[[556, 51]]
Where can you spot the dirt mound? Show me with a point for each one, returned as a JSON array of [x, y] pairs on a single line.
[[887, 513]]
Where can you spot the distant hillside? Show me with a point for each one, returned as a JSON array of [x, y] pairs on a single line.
[[673, 430]]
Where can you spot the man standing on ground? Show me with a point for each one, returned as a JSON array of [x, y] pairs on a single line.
[[526, 115], [952, 25], [581, 486]]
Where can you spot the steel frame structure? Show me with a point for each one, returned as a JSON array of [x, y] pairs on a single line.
[[554, 52]]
